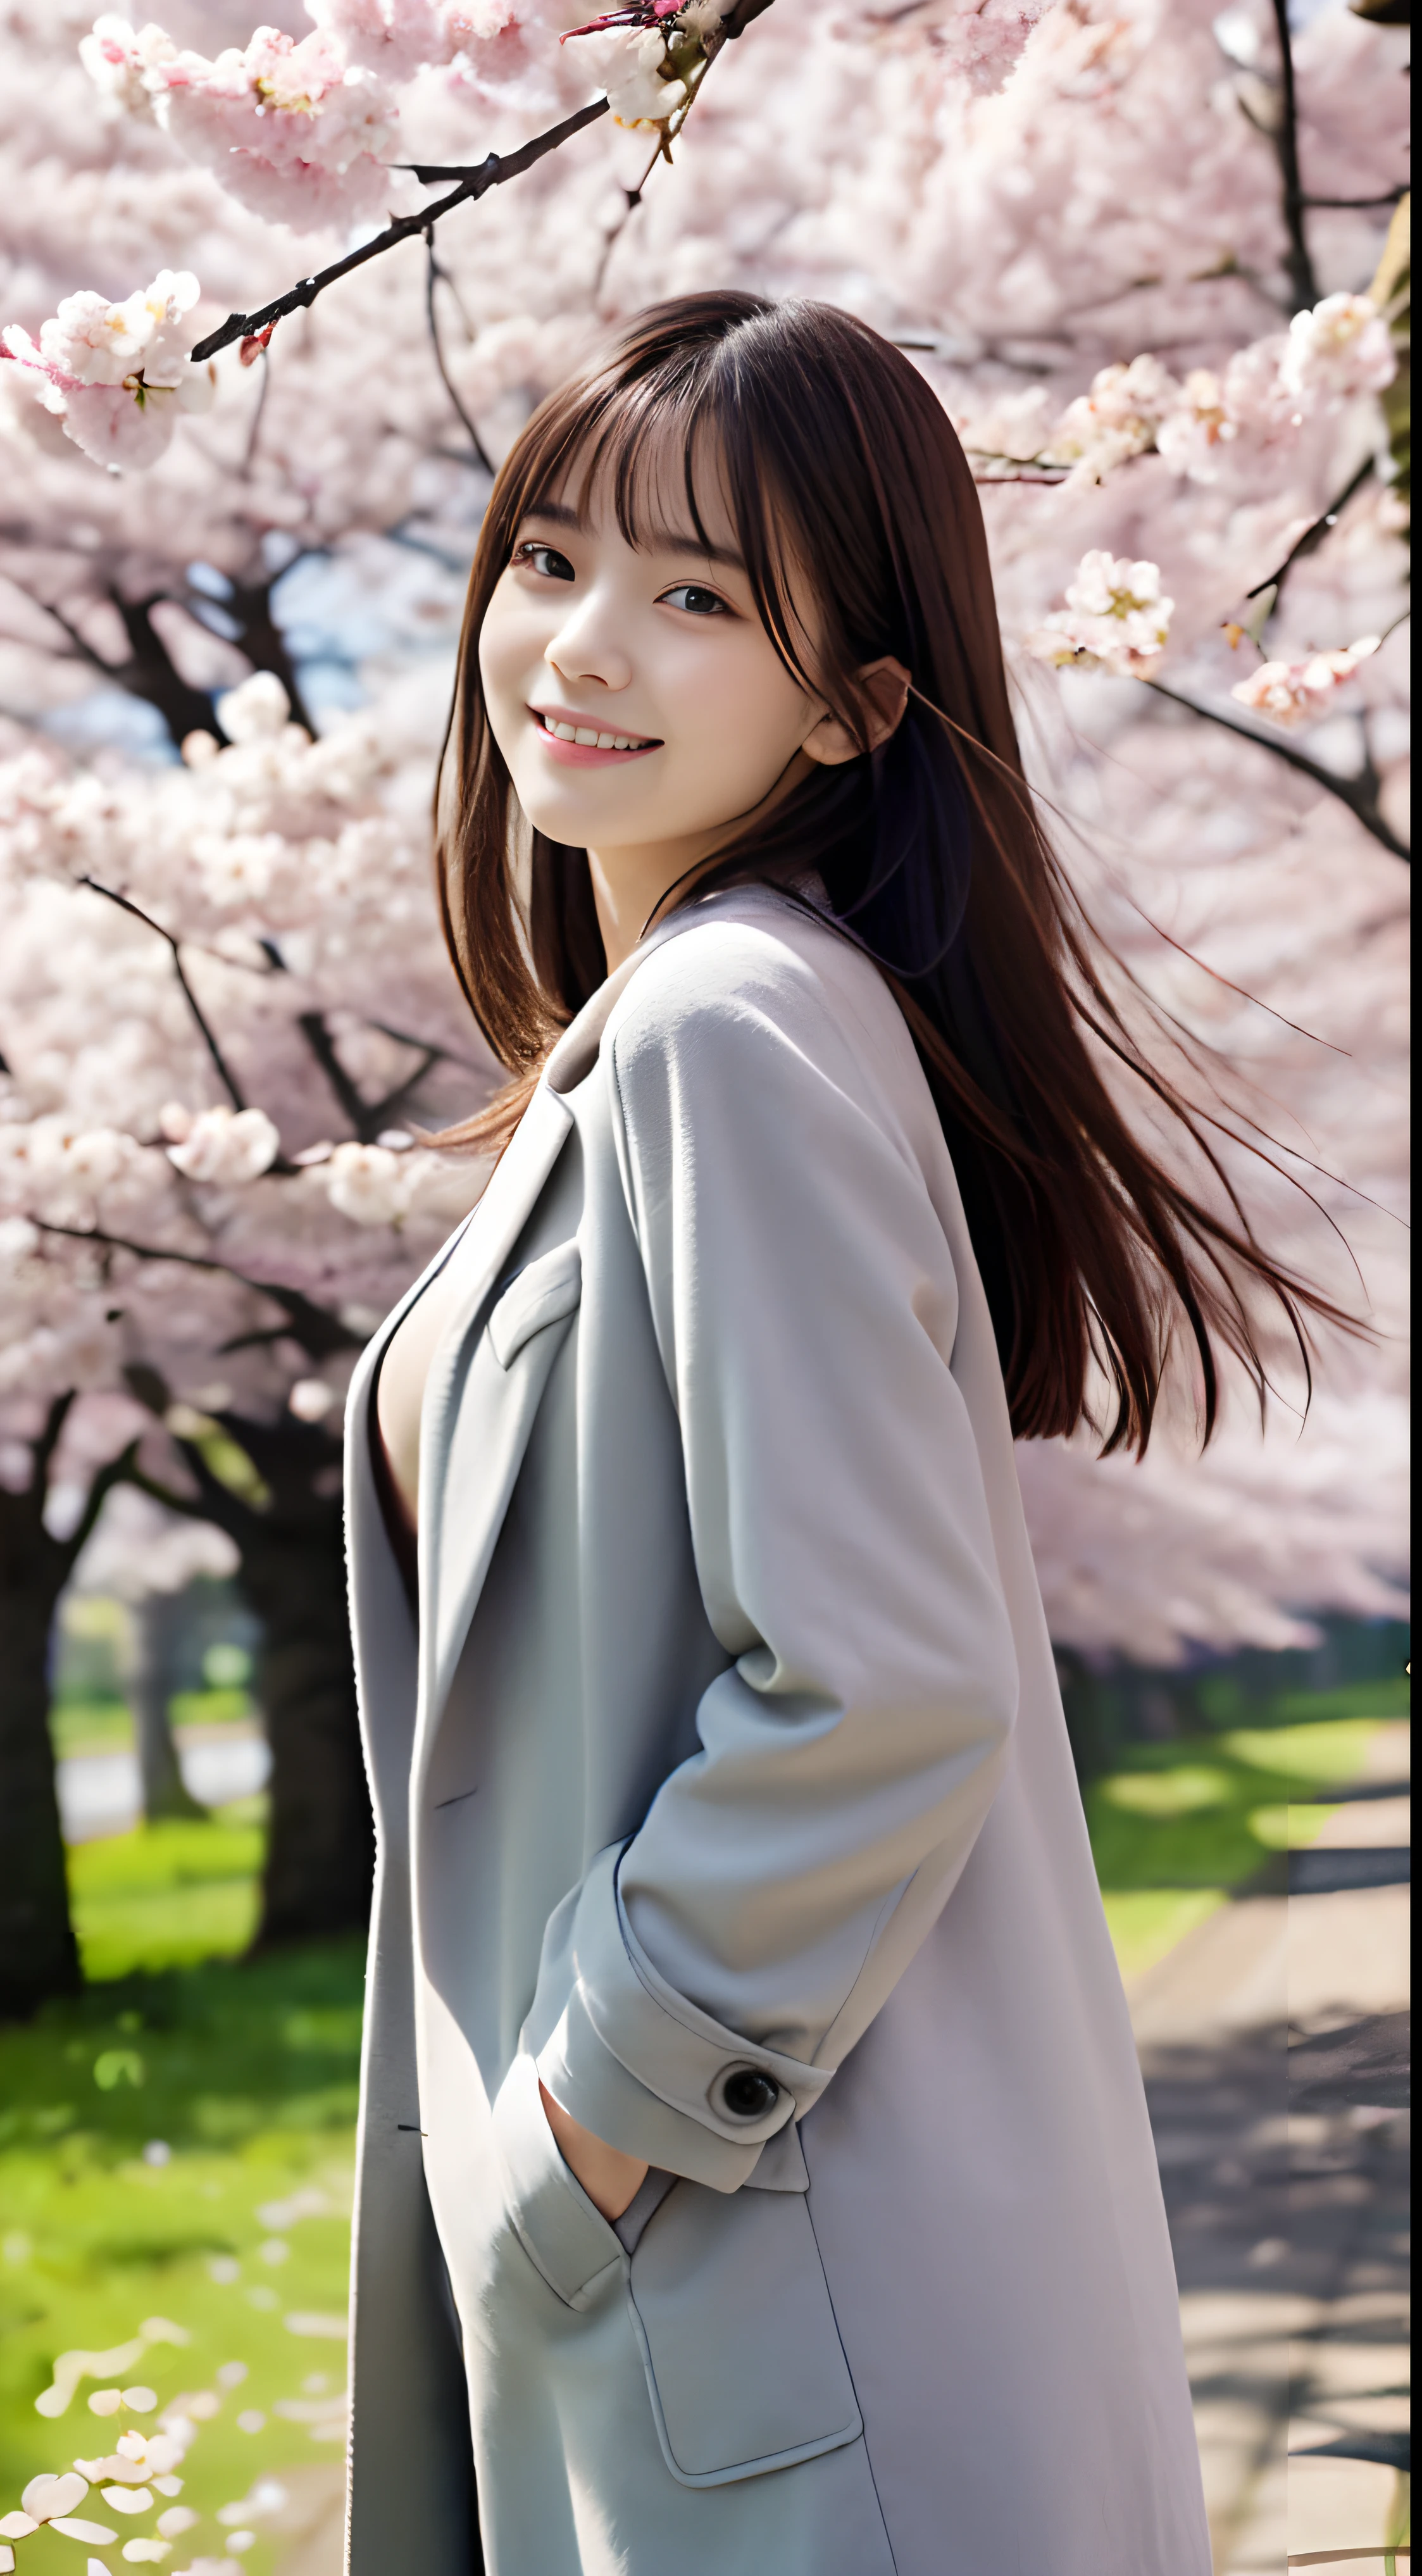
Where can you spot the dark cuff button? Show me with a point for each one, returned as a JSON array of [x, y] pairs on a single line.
[[745, 2093]]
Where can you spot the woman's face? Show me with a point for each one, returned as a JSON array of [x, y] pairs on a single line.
[[637, 699]]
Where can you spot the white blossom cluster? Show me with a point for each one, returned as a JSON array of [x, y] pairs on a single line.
[[1081, 245], [116, 376], [279, 865]]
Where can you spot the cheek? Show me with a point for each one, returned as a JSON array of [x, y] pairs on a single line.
[[750, 714], [505, 642]]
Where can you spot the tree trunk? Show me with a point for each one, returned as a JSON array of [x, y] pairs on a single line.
[[321, 1845], [155, 1627], [38, 1955], [287, 1525], [320, 1854]]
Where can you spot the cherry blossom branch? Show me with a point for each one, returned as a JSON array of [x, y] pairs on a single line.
[[1359, 793], [433, 275], [319, 1333], [224, 1073], [1299, 262], [475, 183]]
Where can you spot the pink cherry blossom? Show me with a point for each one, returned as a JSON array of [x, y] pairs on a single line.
[[1116, 618], [399, 37], [116, 375], [1343, 347], [227, 1147], [1300, 692], [292, 128]]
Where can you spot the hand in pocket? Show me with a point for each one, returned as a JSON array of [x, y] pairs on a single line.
[[611, 2179]]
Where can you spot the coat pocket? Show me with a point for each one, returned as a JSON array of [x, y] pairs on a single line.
[[542, 1293], [568, 2241], [742, 2353]]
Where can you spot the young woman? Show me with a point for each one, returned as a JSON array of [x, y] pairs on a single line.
[[755, 2172]]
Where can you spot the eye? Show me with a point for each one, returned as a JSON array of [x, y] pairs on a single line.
[[544, 560], [697, 601]]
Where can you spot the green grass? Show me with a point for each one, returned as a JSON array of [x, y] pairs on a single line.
[[93, 1725], [1224, 1705], [1175, 1827], [247, 2075], [90, 1726], [166, 1896]]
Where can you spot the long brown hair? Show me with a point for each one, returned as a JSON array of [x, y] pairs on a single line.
[[842, 473]]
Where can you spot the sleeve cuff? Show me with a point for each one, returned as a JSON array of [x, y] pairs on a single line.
[[642, 2067]]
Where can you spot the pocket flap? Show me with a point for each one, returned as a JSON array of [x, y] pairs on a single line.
[[738, 2336], [544, 1291]]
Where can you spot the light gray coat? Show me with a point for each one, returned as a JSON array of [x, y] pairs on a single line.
[[725, 1784]]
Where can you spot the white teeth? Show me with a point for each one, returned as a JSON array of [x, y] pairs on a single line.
[[595, 741]]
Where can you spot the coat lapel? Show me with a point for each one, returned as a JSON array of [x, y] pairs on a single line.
[[477, 1417], [382, 1629], [475, 1425]]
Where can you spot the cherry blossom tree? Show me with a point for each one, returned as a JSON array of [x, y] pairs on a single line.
[[1149, 258]]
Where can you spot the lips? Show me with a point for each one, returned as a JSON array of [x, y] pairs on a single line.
[[574, 741]]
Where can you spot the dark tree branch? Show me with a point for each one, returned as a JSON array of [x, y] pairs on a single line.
[[319, 1333], [116, 1471], [388, 1109], [224, 1074], [213, 1500], [43, 1449], [473, 184], [312, 1025], [261, 639], [1298, 261], [151, 673], [433, 275], [1389, 197], [1359, 794], [634, 199], [367, 1117], [1313, 537], [436, 1054]]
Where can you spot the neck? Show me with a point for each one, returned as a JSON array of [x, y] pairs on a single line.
[[629, 883]]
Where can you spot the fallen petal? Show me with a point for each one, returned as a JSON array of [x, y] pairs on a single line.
[[128, 2499], [45, 2497]]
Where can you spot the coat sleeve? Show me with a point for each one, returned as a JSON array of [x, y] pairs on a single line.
[[720, 1965]]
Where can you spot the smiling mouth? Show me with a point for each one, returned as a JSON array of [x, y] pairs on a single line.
[[588, 737]]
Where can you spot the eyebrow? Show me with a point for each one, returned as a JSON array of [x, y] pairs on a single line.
[[662, 541]]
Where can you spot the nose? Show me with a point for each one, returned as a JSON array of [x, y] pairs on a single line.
[[587, 646]]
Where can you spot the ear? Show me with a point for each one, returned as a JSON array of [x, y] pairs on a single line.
[[884, 689]]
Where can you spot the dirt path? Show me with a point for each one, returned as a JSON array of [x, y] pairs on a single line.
[[1274, 2041]]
